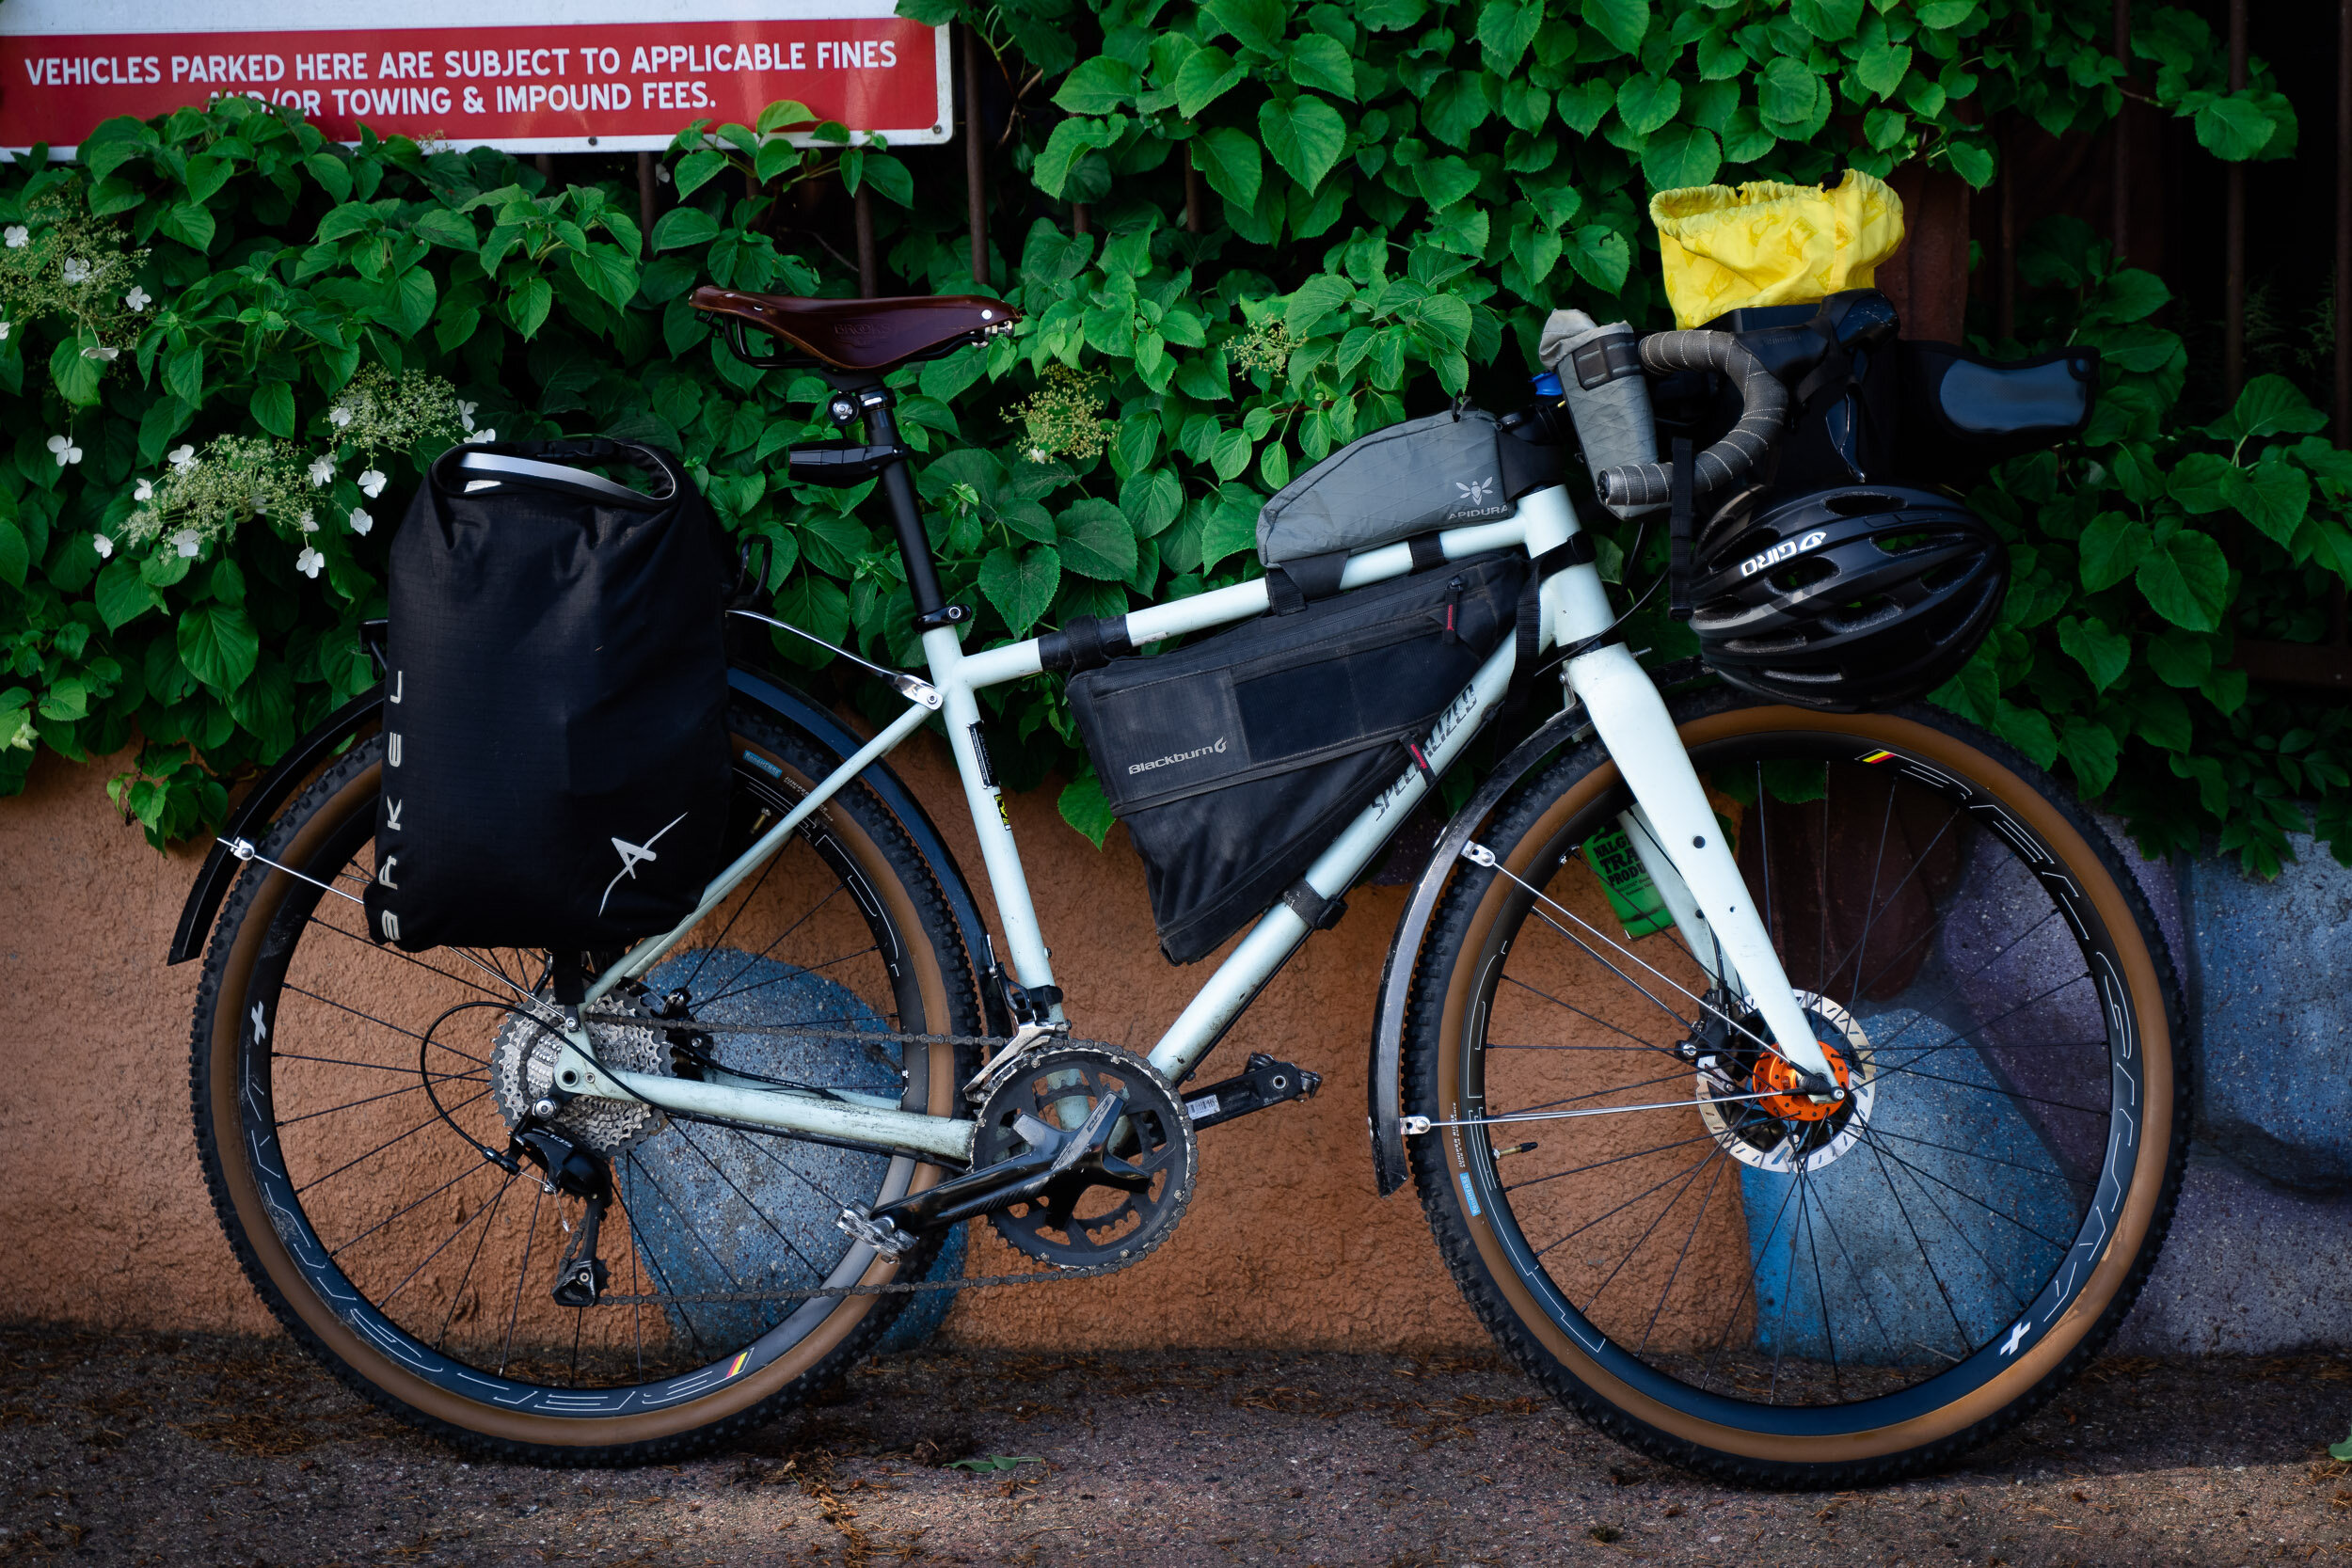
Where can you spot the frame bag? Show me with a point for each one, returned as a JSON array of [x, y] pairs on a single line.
[[1234, 761], [556, 758]]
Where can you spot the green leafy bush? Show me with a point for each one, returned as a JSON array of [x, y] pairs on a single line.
[[1395, 193]]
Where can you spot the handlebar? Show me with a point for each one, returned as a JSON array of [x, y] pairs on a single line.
[[1764, 407]]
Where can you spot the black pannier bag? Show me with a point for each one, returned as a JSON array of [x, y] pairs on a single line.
[[556, 760], [1234, 760], [1444, 470]]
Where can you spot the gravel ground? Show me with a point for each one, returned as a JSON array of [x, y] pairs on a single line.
[[129, 1449]]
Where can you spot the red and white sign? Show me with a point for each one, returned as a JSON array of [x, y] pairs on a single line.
[[526, 75]]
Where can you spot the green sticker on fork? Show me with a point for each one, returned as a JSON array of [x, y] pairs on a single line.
[[1632, 893]]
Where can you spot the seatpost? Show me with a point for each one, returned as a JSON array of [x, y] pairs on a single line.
[[931, 607]]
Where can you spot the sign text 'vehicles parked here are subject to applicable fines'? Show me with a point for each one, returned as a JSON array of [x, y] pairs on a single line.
[[496, 73]]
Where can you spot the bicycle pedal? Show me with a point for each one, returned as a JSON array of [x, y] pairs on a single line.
[[1266, 1083], [583, 1283], [858, 1223]]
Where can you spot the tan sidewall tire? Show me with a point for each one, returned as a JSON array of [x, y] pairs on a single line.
[[396, 1381], [2115, 1262]]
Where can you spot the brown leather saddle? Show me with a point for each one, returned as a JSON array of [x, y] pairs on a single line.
[[860, 334]]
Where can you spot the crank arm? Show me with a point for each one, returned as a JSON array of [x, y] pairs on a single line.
[[1266, 1082]]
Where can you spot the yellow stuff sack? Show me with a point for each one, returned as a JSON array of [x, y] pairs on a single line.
[[1768, 244]]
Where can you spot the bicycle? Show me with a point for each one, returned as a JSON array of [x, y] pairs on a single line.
[[1842, 1158]]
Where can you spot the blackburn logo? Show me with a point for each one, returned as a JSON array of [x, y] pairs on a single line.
[[630, 855]]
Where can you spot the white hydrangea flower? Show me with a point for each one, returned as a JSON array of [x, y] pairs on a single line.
[[372, 483], [16, 235], [486, 437], [465, 412], [182, 458], [101, 353], [103, 546], [185, 542], [321, 470], [138, 298], [309, 561], [361, 521], [145, 491], [339, 416], [4, 332], [62, 447], [76, 270], [309, 521]]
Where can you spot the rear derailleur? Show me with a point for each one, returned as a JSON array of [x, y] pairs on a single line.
[[567, 1167]]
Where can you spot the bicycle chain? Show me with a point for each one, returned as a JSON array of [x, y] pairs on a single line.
[[991, 1044]]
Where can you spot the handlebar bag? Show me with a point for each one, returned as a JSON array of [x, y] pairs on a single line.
[[556, 760], [1445, 470], [1234, 761]]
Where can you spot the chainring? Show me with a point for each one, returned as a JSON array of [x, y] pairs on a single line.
[[522, 1071], [1132, 1202]]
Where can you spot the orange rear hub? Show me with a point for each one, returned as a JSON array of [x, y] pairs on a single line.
[[1786, 1096]]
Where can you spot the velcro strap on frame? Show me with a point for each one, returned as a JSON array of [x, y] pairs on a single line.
[[1320, 913], [1293, 585], [1088, 643], [1577, 550], [1427, 551]]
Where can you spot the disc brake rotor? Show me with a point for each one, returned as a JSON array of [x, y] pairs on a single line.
[[522, 1072], [1123, 1207], [1751, 1102]]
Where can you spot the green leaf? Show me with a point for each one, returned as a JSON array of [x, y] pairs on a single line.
[[2197, 482], [1881, 67], [332, 173], [1646, 102], [1828, 19], [1443, 182], [1314, 299], [1787, 92], [1319, 60], [1229, 160], [1506, 28], [218, 645], [1456, 106], [274, 407], [16, 556], [2113, 548], [1231, 526], [2182, 658], [2273, 495], [1944, 14], [73, 374], [1582, 104], [2267, 406], [1306, 136], [1152, 501], [1084, 807], [2127, 296], [1230, 454], [2092, 752], [2027, 729], [122, 595], [183, 374], [528, 305], [1256, 23], [2233, 127], [1097, 541], [2186, 580], [1072, 140], [683, 226], [1099, 86], [1623, 23], [1601, 257], [1679, 156], [442, 227], [604, 269], [1021, 583], [1204, 78], [2102, 654], [694, 171]]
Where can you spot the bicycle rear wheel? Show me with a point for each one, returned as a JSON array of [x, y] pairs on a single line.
[[1734, 1275], [341, 1089]]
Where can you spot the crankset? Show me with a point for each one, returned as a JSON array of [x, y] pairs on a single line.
[[1084, 1156]]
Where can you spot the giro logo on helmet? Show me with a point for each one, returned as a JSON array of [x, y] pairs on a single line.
[[1786, 550]]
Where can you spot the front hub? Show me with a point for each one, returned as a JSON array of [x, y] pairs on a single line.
[[1754, 1104]]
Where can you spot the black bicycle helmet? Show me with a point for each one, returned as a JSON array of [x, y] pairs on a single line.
[[1850, 599]]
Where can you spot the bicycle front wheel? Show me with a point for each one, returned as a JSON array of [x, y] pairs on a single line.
[[1745, 1278], [344, 1093]]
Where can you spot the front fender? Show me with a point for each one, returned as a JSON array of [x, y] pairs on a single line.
[[1389, 1167], [363, 715]]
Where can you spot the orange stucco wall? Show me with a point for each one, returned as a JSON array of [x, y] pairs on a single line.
[[104, 1220]]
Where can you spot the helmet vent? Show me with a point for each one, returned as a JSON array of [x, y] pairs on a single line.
[[1804, 572], [1861, 616], [1861, 503]]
